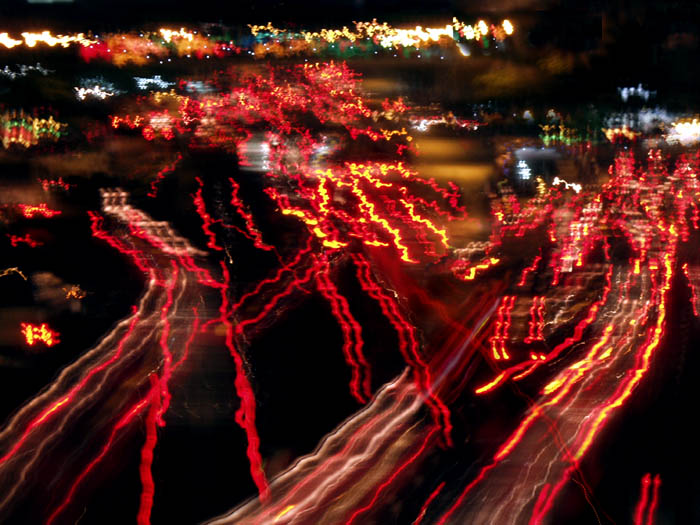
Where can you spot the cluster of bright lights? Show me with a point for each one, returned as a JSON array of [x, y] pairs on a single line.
[[170, 34], [623, 133], [524, 171], [366, 37], [144, 83], [645, 119], [685, 132], [23, 70], [96, 91], [569, 186], [198, 86], [74, 292], [639, 91], [30, 211], [559, 134], [653, 219], [340, 208], [369, 37], [47, 184], [144, 47], [45, 37], [17, 127], [389, 36], [39, 334]]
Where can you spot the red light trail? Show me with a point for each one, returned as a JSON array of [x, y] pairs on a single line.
[[162, 174], [16, 240], [360, 384], [644, 506]]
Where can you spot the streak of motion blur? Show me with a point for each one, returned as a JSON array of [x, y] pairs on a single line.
[[488, 346]]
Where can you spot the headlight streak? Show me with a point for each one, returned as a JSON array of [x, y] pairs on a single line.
[[360, 441], [391, 478], [124, 421]]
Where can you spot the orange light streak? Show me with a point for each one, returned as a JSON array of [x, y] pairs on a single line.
[[631, 381]]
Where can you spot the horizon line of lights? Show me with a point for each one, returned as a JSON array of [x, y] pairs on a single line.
[[140, 47], [370, 37], [389, 36]]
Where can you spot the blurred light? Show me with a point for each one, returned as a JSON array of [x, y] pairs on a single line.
[[569, 186], [23, 71], [8, 271], [685, 132], [145, 82], [74, 292], [39, 333], [95, 91], [524, 170], [639, 91]]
